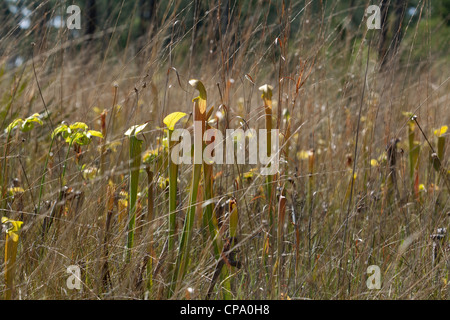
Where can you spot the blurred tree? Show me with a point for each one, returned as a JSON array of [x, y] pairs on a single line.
[[400, 10], [444, 10], [91, 12], [42, 13], [147, 15], [4, 15], [391, 29]]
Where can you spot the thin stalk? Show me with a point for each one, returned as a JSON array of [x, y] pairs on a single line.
[[268, 245], [173, 185], [183, 251], [105, 275], [267, 98], [280, 240], [41, 187], [4, 174], [209, 218], [150, 217], [309, 202], [65, 163], [344, 237]]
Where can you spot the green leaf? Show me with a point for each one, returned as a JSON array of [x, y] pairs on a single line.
[[13, 124], [78, 126], [171, 120], [25, 125], [29, 122], [149, 156], [81, 138], [61, 129]]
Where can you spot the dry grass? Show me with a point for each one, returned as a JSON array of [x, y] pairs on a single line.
[[331, 232]]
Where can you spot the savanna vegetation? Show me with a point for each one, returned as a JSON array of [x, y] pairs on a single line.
[[86, 177]]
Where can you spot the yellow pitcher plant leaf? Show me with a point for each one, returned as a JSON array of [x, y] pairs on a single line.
[[266, 91], [94, 133], [78, 126], [134, 130], [197, 84], [28, 123], [12, 228], [171, 120], [234, 217]]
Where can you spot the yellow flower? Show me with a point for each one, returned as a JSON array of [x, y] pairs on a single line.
[[150, 155], [284, 296], [302, 155], [12, 228], [163, 183], [249, 174], [15, 190], [374, 163], [97, 110], [439, 132], [89, 173]]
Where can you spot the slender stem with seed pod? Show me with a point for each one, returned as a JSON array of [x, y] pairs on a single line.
[[267, 98], [209, 218]]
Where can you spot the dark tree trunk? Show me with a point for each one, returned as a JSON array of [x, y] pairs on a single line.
[[382, 45], [147, 15], [388, 48], [147, 23], [194, 32], [91, 12], [400, 8], [39, 22], [4, 12], [224, 31], [5, 15]]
